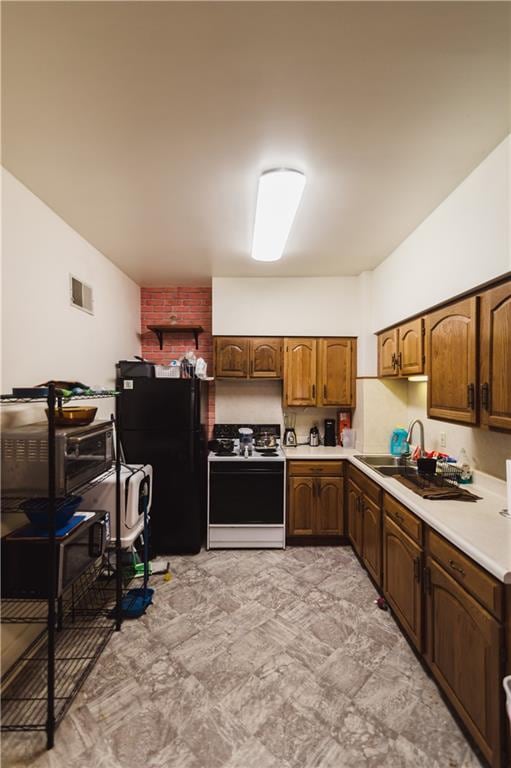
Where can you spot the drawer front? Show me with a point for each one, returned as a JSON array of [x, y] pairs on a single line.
[[326, 468], [475, 579], [403, 517], [371, 489]]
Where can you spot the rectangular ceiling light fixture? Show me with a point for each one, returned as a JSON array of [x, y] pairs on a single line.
[[278, 196]]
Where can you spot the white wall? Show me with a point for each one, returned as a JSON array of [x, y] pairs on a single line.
[[43, 336], [463, 243]]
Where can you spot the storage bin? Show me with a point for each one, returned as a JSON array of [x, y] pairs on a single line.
[[167, 371]]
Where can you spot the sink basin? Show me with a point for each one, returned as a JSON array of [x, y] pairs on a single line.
[[381, 460], [385, 464]]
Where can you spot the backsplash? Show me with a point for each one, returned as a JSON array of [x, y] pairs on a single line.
[[190, 304]]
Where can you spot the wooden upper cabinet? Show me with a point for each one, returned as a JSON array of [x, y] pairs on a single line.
[[387, 353], [300, 371], [464, 653], [410, 358], [329, 509], [495, 356], [401, 350], [237, 357], [402, 564], [451, 347], [265, 358], [231, 357], [337, 364]]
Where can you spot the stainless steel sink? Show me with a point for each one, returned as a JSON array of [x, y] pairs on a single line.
[[381, 460], [387, 464]]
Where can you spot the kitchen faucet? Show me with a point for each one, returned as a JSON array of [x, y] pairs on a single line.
[[421, 435]]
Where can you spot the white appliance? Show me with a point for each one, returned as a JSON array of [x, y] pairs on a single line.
[[246, 493], [136, 484]]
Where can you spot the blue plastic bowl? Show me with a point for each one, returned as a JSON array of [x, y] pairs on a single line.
[[37, 511]]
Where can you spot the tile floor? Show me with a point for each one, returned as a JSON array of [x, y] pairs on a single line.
[[264, 659]]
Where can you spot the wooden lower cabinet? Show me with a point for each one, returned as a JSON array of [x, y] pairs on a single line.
[[402, 566], [354, 499], [464, 652], [371, 537], [315, 506]]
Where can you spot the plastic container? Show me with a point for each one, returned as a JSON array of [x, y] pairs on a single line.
[[166, 372], [37, 511], [348, 438], [398, 444]]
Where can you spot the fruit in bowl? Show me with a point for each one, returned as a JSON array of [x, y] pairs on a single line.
[[37, 511]]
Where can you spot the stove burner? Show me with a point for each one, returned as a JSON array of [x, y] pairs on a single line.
[[225, 453]]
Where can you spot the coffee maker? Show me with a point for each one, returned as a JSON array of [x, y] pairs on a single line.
[[290, 440], [330, 436]]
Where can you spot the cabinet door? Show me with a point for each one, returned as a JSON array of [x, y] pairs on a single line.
[[411, 348], [402, 579], [464, 652], [387, 353], [300, 371], [355, 517], [336, 384], [265, 358], [451, 335], [329, 506], [371, 537], [301, 502], [496, 357], [231, 357]]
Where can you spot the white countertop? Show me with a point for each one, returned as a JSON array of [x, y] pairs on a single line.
[[476, 528]]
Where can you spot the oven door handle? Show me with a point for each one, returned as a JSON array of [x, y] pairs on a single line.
[[97, 432], [97, 542]]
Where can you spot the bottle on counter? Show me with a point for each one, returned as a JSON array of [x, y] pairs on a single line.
[[464, 466]]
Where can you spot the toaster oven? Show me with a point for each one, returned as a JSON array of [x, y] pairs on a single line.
[[25, 557], [81, 454]]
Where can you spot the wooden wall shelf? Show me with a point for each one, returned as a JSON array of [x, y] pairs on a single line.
[[159, 330]]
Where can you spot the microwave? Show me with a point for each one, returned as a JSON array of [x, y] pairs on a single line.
[[81, 454], [25, 557]]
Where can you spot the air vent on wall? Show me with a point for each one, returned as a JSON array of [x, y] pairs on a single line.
[[81, 295]]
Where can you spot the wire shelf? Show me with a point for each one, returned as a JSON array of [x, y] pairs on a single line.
[[13, 400], [24, 696], [13, 503]]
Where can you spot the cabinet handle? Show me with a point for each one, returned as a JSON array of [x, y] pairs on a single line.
[[394, 361], [400, 361], [399, 517], [456, 567], [313, 391], [324, 391], [427, 580], [470, 396], [417, 569], [485, 396]]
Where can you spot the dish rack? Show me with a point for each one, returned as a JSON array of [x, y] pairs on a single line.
[[447, 476]]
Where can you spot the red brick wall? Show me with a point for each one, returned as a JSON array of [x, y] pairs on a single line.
[[191, 305]]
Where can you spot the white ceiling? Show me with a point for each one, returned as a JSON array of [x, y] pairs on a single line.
[[146, 125]]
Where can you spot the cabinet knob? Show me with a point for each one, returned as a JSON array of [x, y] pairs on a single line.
[[456, 568], [485, 396]]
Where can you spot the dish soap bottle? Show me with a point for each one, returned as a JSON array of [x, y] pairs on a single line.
[[464, 465]]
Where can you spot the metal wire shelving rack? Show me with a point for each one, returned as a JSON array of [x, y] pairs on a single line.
[[39, 688]]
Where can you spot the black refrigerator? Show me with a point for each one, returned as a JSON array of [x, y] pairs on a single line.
[[162, 423]]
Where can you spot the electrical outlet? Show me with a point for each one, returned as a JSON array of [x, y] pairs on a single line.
[[443, 440]]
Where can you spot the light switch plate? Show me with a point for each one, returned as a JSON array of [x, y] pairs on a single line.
[[443, 440]]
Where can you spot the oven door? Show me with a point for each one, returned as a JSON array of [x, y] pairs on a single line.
[[88, 456], [246, 493]]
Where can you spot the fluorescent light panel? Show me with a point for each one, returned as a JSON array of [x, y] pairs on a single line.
[[278, 196], [417, 378]]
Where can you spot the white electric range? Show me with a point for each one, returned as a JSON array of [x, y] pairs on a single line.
[[246, 493]]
